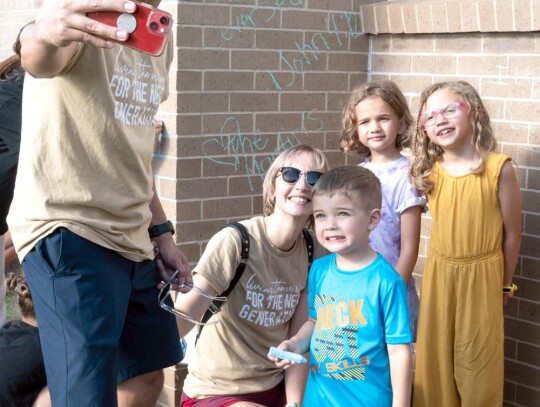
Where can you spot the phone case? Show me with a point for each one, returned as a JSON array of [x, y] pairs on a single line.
[[148, 27]]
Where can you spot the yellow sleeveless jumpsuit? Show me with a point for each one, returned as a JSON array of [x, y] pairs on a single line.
[[460, 354]]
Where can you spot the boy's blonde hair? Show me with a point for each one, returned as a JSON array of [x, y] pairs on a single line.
[[359, 184], [425, 153], [285, 159], [388, 91]]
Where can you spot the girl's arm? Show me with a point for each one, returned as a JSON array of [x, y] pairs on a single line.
[[510, 204], [410, 239], [301, 328], [400, 373]]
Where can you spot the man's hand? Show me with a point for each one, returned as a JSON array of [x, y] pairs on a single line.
[[169, 259], [64, 22], [48, 44]]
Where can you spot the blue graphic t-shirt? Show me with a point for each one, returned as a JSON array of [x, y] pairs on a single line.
[[357, 314]]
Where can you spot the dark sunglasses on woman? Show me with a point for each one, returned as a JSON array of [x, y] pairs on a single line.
[[291, 175]]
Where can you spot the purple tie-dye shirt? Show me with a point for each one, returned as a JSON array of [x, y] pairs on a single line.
[[397, 196]]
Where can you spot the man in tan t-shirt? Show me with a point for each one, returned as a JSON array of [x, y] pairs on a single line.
[[85, 206]]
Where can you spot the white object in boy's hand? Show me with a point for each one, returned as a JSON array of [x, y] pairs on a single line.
[[285, 355]]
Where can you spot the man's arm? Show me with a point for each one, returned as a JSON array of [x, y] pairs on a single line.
[[169, 258], [400, 373], [48, 44], [10, 254]]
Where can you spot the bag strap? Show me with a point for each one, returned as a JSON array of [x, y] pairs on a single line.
[[309, 246], [244, 256]]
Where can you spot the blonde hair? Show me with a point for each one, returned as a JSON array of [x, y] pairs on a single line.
[[286, 158], [357, 183], [388, 91], [425, 153], [17, 284]]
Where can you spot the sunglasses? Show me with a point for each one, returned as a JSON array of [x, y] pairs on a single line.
[[291, 175], [165, 293]]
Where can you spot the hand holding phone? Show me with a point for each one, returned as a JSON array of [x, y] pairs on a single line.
[[147, 27]]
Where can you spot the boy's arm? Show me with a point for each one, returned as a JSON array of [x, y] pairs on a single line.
[[410, 239], [510, 204], [301, 328], [48, 44], [400, 373]]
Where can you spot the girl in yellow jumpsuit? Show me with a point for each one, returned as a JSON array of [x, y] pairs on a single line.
[[474, 200]]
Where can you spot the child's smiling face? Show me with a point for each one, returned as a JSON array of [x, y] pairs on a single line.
[[450, 133]]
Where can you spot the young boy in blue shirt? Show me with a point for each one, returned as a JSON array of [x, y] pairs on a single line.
[[358, 331]]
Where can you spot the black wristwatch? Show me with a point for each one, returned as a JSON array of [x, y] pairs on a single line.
[[158, 230]]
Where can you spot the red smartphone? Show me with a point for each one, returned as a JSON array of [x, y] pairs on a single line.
[[148, 27]]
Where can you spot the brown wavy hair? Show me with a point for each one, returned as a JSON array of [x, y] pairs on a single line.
[[388, 91], [18, 285], [425, 153], [11, 67]]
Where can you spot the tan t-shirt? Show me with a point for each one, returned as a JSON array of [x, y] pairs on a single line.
[[87, 142], [230, 357]]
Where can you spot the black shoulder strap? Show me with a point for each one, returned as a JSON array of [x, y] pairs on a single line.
[[309, 246], [244, 256]]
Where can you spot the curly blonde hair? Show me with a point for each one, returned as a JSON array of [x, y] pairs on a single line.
[[425, 153], [388, 91], [18, 285], [286, 158]]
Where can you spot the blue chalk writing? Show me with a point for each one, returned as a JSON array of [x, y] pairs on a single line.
[[238, 148]]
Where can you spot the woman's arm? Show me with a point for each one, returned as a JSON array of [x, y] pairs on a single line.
[[410, 240], [510, 204], [400, 373], [193, 304]]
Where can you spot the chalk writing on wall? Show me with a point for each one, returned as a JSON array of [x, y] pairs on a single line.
[[249, 20], [337, 29], [240, 149]]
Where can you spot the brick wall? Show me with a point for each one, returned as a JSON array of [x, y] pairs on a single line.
[[252, 78], [495, 46]]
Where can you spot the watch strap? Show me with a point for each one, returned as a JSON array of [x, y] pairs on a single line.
[[158, 230], [510, 288]]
